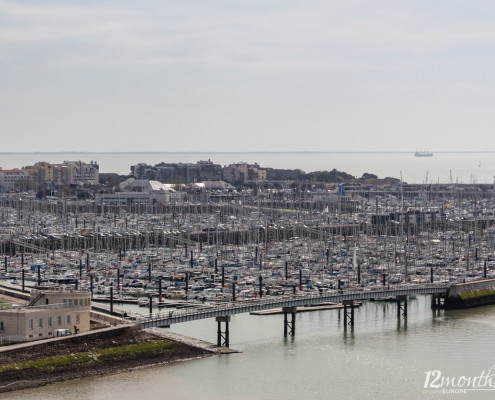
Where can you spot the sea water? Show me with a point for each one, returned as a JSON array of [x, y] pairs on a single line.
[[381, 357]]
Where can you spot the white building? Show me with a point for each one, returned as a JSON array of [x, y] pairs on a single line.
[[8, 177], [82, 173], [139, 191], [327, 197], [52, 309], [210, 185]]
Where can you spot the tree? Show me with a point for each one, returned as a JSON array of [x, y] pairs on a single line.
[[366, 175], [24, 184], [83, 195]]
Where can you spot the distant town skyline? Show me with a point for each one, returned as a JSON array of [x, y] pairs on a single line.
[[247, 76]]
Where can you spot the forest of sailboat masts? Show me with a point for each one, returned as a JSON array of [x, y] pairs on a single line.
[[197, 248]]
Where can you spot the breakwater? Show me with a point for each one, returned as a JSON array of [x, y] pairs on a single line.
[[471, 294]]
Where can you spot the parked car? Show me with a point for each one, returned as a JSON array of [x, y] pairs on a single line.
[[61, 332]]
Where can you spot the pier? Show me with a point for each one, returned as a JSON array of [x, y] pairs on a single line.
[[289, 304]]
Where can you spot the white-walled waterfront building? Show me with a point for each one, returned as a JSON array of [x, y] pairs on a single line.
[[52, 309]]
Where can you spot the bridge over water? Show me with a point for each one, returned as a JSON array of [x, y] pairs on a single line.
[[289, 303]]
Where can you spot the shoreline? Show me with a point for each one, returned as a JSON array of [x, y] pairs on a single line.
[[106, 352], [91, 372]]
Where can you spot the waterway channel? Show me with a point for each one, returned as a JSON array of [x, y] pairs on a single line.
[[380, 358]]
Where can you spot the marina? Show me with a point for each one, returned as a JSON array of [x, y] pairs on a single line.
[[255, 200], [206, 251], [275, 243], [205, 264]]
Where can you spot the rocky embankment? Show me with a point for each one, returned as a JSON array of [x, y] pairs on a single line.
[[86, 355]]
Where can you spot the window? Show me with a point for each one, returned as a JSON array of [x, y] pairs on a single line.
[[75, 302], [77, 318], [68, 319], [65, 302], [1, 327], [70, 302], [40, 323], [59, 320], [31, 324], [49, 322]]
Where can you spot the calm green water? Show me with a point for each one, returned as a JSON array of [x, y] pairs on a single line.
[[378, 359]]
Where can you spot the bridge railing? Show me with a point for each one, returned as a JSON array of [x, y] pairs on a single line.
[[278, 301]]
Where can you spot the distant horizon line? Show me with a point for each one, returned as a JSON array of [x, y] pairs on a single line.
[[249, 152]]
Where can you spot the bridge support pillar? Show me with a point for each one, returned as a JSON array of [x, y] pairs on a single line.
[[111, 299], [401, 306], [223, 336], [348, 313], [289, 326]]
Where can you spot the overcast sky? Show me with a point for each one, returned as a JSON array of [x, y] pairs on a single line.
[[239, 75]]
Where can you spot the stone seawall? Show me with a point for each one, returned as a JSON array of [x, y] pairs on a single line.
[[471, 294]]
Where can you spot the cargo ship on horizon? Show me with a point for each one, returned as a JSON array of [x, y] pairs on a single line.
[[423, 154]]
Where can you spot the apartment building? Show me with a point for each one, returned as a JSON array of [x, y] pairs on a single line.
[[44, 174], [8, 177], [244, 172]]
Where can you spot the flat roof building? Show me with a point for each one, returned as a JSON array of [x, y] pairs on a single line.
[[8, 177], [48, 311]]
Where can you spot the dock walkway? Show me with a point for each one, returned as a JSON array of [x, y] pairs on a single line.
[[200, 344], [321, 307], [335, 296]]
